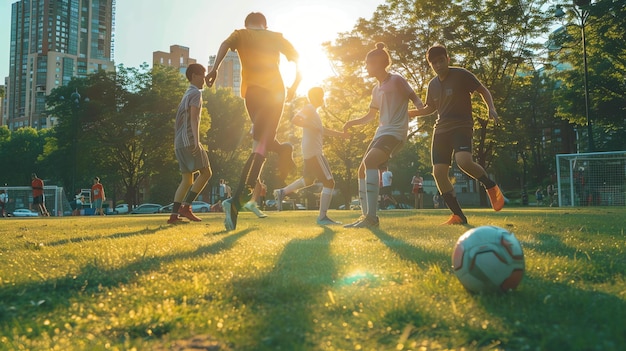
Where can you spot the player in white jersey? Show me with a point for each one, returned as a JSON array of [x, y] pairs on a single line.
[[315, 164], [390, 101]]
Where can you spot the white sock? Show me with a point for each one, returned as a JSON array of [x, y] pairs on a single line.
[[298, 184], [371, 181], [327, 195], [362, 198]]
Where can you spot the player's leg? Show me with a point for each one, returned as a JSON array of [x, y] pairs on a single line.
[[441, 156], [319, 168], [252, 204], [463, 157]]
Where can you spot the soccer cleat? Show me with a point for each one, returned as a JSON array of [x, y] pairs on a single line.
[[455, 219], [186, 211], [279, 195], [327, 221], [175, 219], [230, 222], [252, 207], [368, 222], [350, 225], [496, 198], [285, 160]]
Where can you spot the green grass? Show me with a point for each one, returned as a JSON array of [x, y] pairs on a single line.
[[284, 283]]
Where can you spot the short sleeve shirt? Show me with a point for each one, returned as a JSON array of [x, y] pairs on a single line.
[[97, 191], [453, 99], [183, 132], [391, 99], [387, 177], [259, 51], [37, 185], [312, 138]]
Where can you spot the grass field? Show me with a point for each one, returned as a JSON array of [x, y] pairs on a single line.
[[284, 283]]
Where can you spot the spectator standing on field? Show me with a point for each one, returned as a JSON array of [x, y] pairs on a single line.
[[39, 200], [417, 183], [4, 200], [539, 196], [97, 196], [386, 179]]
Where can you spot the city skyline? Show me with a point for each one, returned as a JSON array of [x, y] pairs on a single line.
[[306, 25]]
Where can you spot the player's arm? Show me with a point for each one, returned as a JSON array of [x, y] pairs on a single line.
[[291, 91], [300, 121], [221, 53], [363, 120], [335, 133], [488, 99], [195, 126], [424, 111]]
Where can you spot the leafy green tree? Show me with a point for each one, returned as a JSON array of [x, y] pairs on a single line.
[[22, 150], [605, 27]]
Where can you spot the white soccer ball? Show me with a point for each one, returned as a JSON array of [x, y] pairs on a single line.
[[488, 259]]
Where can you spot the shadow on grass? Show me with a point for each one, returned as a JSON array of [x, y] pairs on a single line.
[[281, 300], [409, 252], [554, 316], [146, 231], [21, 301]]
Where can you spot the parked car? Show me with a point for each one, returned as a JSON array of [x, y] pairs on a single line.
[[146, 208], [196, 206], [121, 209], [24, 212]]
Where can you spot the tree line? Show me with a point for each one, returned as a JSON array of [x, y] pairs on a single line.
[[119, 125]]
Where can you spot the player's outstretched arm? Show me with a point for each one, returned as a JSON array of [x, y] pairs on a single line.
[[424, 111], [363, 120], [212, 75], [488, 99]]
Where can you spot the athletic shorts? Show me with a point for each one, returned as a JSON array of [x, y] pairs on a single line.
[[97, 203], [317, 167], [190, 162], [38, 200], [444, 145], [388, 144], [265, 107]]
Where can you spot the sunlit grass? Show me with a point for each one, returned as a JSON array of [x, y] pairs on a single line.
[[284, 283]]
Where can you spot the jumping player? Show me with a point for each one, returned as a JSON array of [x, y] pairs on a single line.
[[449, 93], [264, 92], [390, 100], [192, 157], [315, 164]]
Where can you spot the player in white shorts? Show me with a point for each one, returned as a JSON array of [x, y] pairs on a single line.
[[315, 164]]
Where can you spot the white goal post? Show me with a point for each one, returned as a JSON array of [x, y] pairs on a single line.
[[22, 197], [591, 179]]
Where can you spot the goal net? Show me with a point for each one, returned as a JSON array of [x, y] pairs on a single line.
[[591, 179], [22, 197]]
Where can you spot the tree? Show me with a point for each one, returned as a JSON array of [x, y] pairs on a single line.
[[491, 38], [121, 128], [605, 29]]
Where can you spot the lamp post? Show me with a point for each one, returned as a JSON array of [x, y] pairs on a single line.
[[581, 9]]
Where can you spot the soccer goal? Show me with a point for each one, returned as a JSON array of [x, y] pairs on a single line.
[[22, 197], [592, 179]]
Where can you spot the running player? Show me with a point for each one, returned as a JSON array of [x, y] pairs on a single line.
[[390, 100]]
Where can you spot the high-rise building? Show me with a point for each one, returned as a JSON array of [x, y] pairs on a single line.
[[229, 73], [177, 57], [51, 42]]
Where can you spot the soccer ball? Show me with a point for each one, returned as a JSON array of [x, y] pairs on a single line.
[[488, 259]]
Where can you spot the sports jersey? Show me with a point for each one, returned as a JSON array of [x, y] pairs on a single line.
[[37, 185], [312, 138], [391, 98], [453, 99], [183, 128], [259, 51], [97, 191]]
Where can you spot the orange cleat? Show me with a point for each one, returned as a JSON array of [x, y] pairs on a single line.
[[185, 211], [455, 219], [496, 198]]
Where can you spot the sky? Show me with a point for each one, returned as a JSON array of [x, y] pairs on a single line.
[[144, 26]]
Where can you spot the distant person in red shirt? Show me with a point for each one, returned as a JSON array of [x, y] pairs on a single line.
[[97, 196], [38, 197]]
